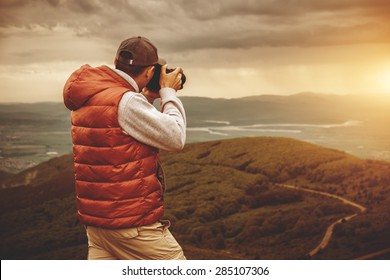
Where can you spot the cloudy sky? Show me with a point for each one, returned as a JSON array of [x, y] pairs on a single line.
[[228, 48]]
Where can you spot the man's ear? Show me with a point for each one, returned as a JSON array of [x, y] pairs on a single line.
[[150, 72]]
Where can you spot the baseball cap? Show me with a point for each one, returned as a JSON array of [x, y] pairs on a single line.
[[138, 51]]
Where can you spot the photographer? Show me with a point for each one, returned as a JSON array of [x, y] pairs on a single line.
[[116, 134]]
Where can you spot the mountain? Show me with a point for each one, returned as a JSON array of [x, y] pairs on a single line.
[[34, 133], [226, 199], [297, 108]]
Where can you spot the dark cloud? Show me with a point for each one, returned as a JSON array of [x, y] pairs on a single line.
[[179, 26], [288, 23], [13, 3], [53, 3], [204, 9], [83, 6]]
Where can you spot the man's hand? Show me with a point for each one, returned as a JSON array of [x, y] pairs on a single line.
[[170, 80], [150, 95]]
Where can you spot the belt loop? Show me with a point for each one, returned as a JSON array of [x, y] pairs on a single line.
[[166, 223]]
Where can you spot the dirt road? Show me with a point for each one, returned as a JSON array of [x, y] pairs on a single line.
[[329, 231]]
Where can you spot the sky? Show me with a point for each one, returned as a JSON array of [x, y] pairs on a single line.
[[227, 48]]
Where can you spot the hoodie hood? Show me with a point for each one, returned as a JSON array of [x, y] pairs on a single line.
[[87, 81]]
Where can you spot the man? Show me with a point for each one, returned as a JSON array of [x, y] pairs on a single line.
[[116, 134]]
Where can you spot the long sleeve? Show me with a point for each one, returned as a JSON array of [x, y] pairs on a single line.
[[165, 130]]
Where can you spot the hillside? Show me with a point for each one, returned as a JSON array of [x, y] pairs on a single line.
[[48, 180], [224, 201]]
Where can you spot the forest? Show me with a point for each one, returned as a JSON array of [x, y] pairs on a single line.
[[225, 201]]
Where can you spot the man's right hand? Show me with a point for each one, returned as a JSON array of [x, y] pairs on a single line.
[[170, 80]]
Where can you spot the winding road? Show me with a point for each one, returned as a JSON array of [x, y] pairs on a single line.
[[329, 231]]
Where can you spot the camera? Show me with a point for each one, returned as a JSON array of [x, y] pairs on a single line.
[[154, 84]]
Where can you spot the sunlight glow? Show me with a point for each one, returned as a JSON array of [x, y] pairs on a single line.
[[386, 81]]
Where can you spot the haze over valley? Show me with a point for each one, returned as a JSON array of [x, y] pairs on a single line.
[[359, 125]]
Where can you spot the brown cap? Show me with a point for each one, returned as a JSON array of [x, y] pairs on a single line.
[[138, 51]]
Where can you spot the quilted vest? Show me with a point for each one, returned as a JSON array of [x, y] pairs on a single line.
[[118, 183]]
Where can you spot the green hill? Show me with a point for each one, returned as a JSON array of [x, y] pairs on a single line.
[[48, 180], [224, 201], [4, 175]]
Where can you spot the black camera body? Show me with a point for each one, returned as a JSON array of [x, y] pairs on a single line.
[[154, 84]]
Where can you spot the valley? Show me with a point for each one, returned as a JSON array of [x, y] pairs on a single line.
[[245, 198]]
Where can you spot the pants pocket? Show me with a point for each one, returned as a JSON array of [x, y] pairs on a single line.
[[158, 242]]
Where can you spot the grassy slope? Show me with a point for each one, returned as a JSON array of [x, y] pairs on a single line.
[[223, 203], [235, 174]]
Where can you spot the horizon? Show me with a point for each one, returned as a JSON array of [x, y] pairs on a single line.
[[378, 97], [228, 49]]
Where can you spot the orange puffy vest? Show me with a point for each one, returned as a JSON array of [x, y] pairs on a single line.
[[117, 180]]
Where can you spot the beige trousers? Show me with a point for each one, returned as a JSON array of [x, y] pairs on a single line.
[[152, 242]]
